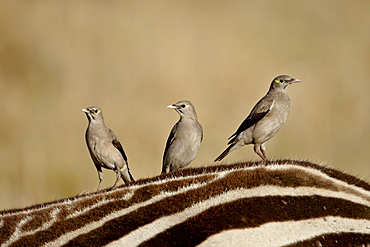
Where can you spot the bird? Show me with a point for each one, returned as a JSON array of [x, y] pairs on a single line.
[[104, 147], [265, 120], [183, 143]]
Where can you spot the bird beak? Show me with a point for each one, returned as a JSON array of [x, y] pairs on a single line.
[[295, 81], [171, 106], [85, 110]]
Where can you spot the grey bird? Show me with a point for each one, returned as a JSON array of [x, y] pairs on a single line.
[[267, 117], [184, 140], [105, 149]]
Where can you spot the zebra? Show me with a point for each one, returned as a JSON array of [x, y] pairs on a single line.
[[283, 203]]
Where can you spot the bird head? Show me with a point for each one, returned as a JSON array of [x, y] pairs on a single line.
[[282, 82], [93, 113], [185, 109]]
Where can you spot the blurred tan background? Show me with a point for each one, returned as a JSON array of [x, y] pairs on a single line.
[[133, 58]]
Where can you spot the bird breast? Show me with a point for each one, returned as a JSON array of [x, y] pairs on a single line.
[[102, 150], [268, 127]]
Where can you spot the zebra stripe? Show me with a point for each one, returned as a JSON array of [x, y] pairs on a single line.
[[286, 203]]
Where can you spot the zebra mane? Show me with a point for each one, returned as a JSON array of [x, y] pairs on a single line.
[[223, 205]]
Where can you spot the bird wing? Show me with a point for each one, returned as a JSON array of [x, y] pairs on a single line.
[[118, 145], [170, 140], [259, 111], [201, 130]]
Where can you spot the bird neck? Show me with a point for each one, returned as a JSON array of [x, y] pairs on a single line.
[[278, 91], [189, 118], [97, 122]]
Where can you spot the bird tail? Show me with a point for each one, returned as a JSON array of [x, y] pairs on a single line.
[[127, 177], [224, 153], [131, 177], [164, 169]]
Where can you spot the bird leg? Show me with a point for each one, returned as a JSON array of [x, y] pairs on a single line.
[[260, 151], [118, 176], [262, 148], [100, 175]]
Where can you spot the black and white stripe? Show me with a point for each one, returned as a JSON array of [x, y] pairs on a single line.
[[286, 203]]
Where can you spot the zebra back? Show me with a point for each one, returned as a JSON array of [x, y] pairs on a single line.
[[285, 203]]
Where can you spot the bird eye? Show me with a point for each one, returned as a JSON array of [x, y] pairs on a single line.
[[183, 106], [281, 80]]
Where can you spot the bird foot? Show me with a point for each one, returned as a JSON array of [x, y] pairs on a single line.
[[265, 162]]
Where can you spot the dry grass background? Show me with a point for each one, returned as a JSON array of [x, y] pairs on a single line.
[[133, 58]]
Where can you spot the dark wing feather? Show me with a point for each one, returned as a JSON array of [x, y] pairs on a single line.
[[118, 145], [170, 140], [258, 112]]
